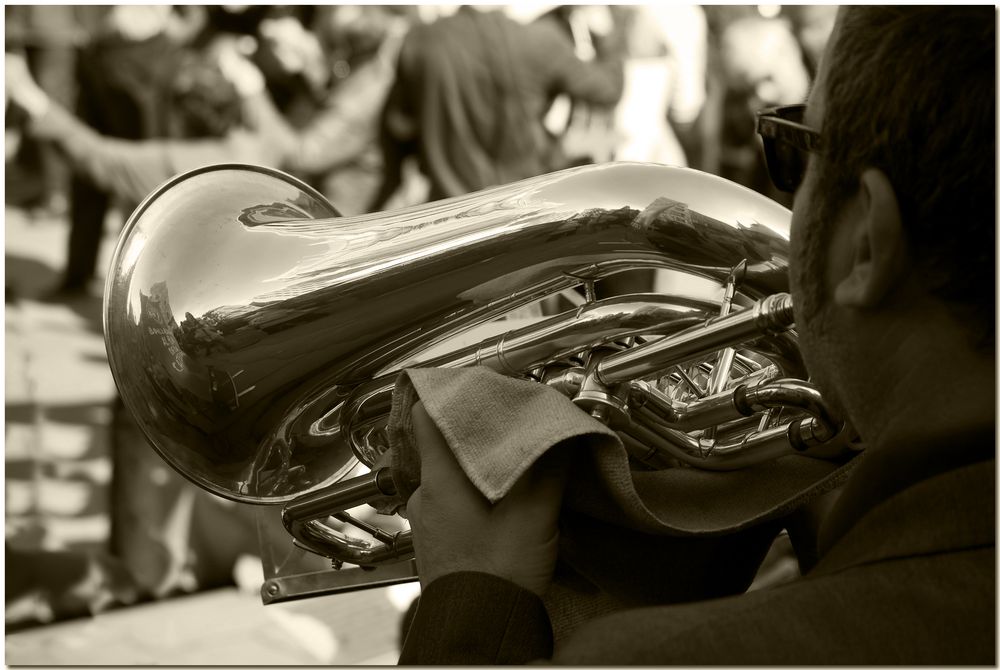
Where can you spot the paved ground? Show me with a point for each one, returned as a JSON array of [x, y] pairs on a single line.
[[58, 390], [58, 395]]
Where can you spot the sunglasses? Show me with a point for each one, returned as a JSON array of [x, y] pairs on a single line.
[[787, 144]]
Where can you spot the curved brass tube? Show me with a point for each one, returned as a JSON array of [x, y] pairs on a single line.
[[302, 519], [772, 315]]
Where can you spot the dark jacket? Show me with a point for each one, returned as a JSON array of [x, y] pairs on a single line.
[[907, 576]]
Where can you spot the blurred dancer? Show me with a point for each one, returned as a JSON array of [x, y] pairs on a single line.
[[121, 75], [205, 110], [664, 82], [759, 63], [586, 129], [471, 94], [337, 148], [49, 36]]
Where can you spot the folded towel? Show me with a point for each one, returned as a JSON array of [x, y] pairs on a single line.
[[499, 426]]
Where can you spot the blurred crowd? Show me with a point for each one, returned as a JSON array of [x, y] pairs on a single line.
[[378, 107], [383, 106]]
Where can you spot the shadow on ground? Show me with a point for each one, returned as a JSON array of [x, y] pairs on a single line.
[[28, 277]]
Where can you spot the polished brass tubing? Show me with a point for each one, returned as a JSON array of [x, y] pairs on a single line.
[[697, 390], [757, 392], [325, 541], [536, 345], [302, 519], [699, 414], [593, 324], [771, 315], [303, 516], [758, 448], [724, 360], [339, 497], [798, 394]]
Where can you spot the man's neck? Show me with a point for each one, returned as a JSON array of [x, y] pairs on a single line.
[[923, 380], [896, 466], [931, 407]]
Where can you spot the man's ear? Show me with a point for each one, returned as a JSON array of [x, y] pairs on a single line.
[[878, 244]]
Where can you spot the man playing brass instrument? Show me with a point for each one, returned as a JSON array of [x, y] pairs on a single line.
[[893, 237]]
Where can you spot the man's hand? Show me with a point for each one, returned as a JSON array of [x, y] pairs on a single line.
[[455, 528]]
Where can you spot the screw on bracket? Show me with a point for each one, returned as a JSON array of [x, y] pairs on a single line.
[[600, 412]]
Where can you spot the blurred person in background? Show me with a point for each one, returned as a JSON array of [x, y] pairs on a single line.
[[281, 43], [586, 129], [664, 81], [205, 110], [470, 96], [48, 36], [753, 54], [762, 66], [754, 59], [812, 25], [122, 76], [337, 147]]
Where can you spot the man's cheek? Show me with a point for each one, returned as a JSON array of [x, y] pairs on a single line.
[[796, 247], [797, 270]]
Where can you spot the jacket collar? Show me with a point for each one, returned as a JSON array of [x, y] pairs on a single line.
[[913, 497]]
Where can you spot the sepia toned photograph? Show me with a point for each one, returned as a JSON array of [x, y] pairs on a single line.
[[415, 334]]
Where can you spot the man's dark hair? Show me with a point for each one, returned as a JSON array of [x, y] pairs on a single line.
[[205, 103], [912, 91]]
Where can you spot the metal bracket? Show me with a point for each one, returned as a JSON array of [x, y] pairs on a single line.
[[329, 582]]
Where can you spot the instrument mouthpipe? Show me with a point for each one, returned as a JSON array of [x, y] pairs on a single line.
[[769, 316], [743, 400], [791, 393]]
